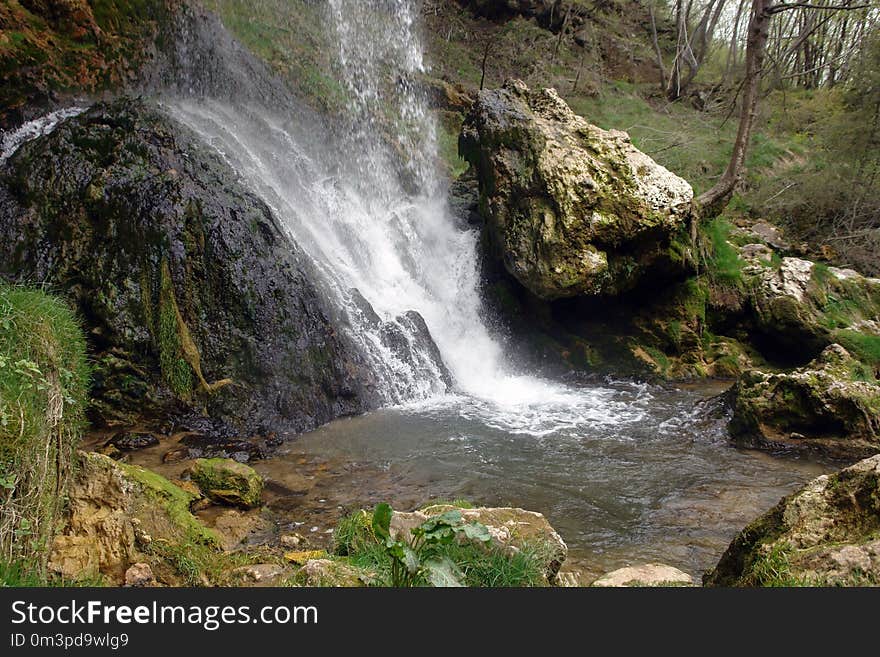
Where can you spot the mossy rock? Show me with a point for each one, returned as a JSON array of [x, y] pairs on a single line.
[[570, 209], [185, 279], [121, 514], [826, 534], [228, 482], [831, 405]]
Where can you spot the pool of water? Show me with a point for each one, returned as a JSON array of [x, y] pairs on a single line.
[[626, 472]]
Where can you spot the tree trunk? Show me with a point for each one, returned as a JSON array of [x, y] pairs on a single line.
[[657, 51], [715, 198]]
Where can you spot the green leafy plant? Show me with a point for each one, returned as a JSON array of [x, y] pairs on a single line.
[[421, 558]]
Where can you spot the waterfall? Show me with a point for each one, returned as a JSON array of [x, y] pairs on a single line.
[[368, 206]]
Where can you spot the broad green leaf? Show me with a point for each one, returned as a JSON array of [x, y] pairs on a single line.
[[382, 520], [411, 560], [476, 531], [443, 572]]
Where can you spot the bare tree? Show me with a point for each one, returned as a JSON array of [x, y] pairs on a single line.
[[693, 42]]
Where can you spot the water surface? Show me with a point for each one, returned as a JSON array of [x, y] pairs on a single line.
[[626, 472]]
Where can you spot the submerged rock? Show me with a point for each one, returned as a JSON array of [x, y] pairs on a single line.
[[570, 209], [649, 574], [228, 482], [832, 405], [823, 535], [132, 440], [192, 294]]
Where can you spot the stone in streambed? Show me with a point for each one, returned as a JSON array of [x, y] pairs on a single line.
[[228, 482], [139, 575], [645, 575], [831, 405], [131, 440]]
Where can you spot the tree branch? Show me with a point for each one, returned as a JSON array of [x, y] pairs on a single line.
[[785, 6]]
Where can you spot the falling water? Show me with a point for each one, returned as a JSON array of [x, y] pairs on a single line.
[[369, 207]]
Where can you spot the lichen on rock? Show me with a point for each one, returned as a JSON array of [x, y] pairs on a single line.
[[571, 209]]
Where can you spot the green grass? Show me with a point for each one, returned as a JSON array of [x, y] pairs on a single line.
[[863, 346], [197, 564], [774, 569], [22, 574], [723, 263], [458, 503], [44, 383], [289, 35], [447, 145]]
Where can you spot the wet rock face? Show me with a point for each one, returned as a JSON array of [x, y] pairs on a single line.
[[192, 296], [831, 405], [823, 535], [570, 209]]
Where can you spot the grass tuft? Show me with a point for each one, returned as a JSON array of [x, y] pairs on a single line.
[[44, 383]]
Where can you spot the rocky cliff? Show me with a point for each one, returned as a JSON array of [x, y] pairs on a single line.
[[194, 299]]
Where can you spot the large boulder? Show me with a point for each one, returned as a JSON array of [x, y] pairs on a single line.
[[115, 512], [832, 405], [571, 209], [511, 529], [193, 296], [824, 535], [228, 482]]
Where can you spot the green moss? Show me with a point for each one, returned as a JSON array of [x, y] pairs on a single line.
[[44, 383], [175, 502], [661, 359], [175, 370], [228, 481]]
